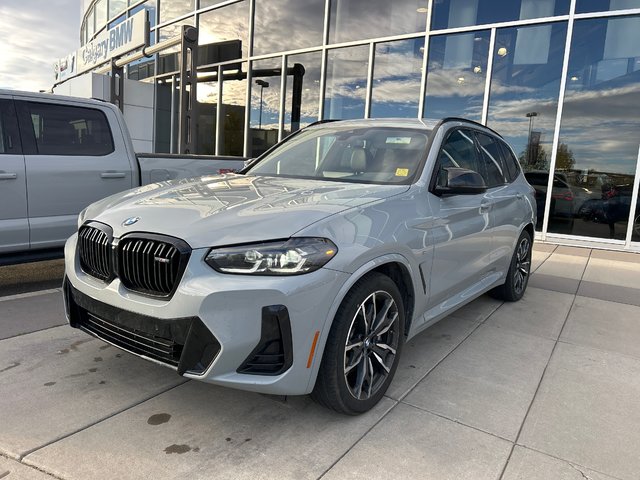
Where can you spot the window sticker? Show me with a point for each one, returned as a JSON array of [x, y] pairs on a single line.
[[399, 140], [402, 172]]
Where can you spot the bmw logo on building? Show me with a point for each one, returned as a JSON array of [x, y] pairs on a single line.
[[130, 221]]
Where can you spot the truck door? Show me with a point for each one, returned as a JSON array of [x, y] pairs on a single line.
[[72, 159], [14, 224]]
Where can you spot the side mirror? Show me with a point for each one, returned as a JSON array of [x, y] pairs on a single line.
[[459, 181]]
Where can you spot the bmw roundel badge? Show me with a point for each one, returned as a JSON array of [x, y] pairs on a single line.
[[130, 221]]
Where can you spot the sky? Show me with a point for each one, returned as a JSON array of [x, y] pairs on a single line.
[[33, 35]]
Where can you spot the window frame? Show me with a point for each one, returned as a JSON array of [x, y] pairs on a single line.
[[501, 159], [9, 120]]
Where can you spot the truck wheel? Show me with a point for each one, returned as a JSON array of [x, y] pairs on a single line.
[[518, 275], [363, 347]]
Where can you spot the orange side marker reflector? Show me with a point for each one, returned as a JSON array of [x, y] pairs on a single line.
[[313, 348]]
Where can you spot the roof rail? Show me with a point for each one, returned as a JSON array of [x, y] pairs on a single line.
[[459, 119]]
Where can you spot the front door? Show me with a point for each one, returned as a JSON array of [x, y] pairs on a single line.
[[14, 223], [462, 233]]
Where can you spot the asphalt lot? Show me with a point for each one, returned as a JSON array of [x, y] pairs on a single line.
[[546, 388]]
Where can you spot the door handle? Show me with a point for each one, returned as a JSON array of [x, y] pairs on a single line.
[[113, 175], [485, 207], [8, 176], [519, 196]]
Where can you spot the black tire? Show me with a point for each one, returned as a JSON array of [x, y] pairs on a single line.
[[519, 271], [339, 387]]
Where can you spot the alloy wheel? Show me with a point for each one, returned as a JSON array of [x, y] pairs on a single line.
[[523, 265], [371, 345]]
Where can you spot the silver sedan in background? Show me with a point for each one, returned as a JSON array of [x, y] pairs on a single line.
[[309, 270]]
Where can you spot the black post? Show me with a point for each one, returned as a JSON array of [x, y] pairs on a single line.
[[187, 137], [116, 83], [296, 97]]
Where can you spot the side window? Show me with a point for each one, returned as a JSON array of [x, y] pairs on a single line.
[[66, 130], [496, 171], [459, 151], [511, 161], [9, 138]]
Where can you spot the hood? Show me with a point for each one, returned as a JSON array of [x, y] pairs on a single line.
[[231, 209]]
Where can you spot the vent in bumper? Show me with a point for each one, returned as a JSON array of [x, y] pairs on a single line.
[[274, 353]]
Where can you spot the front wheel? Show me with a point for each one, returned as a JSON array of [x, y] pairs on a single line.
[[363, 347], [519, 270]]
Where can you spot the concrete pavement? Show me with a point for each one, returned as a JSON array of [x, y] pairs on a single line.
[[546, 388]]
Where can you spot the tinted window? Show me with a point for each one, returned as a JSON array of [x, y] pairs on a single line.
[[461, 13], [279, 24], [459, 151], [456, 75], [510, 161], [65, 130], [491, 156], [9, 139]]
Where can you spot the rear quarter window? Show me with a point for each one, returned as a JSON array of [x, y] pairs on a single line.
[[68, 130]]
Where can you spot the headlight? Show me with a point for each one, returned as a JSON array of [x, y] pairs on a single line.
[[81, 217], [289, 257]]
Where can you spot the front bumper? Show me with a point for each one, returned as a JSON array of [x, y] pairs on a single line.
[[252, 333]]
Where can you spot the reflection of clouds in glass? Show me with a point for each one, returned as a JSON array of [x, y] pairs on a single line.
[[454, 82], [602, 128], [360, 19], [172, 9], [173, 30], [310, 87], [396, 79], [287, 24], [207, 92], [226, 23], [270, 94]]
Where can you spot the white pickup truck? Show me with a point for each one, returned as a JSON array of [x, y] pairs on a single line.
[[59, 154]]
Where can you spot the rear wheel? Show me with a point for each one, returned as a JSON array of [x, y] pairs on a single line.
[[363, 347], [519, 270]]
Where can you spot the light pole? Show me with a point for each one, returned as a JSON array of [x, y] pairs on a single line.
[[530, 116], [263, 84]]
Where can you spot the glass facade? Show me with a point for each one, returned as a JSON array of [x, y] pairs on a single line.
[[561, 86]]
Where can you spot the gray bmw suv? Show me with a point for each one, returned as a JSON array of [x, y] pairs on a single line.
[[308, 271]]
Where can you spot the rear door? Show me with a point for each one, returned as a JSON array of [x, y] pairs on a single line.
[[72, 160], [507, 203], [14, 225], [462, 234]]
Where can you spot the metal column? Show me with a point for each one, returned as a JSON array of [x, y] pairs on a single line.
[[117, 85], [187, 133]]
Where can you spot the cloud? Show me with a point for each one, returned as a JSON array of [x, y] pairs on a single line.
[[35, 35]]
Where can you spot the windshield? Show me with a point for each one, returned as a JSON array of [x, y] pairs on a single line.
[[386, 155]]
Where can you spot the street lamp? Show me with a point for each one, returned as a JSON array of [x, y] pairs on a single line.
[[263, 84], [530, 116]]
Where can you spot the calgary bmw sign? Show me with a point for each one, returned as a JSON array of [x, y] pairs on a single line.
[[122, 38]]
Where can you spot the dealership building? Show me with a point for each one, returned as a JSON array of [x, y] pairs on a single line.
[[559, 79]]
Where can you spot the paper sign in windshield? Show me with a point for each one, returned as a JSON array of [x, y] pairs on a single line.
[[399, 140], [402, 172]]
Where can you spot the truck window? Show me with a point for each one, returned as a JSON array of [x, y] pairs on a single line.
[[9, 138], [65, 130]]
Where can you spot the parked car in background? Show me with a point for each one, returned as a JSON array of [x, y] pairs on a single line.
[[59, 154], [308, 272], [563, 199]]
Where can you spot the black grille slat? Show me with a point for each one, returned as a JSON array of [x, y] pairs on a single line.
[[147, 263], [95, 252], [151, 264]]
